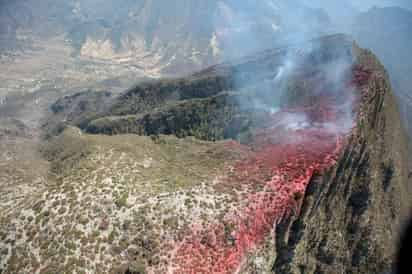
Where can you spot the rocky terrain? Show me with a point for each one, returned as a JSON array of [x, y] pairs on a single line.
[[385, 31], [94, 44], [350, 219], [79, 45], [252, 166]]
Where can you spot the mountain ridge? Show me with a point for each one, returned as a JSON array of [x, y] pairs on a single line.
[[371, 170]]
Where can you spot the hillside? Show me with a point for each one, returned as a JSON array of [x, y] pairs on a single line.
[[386, 32], [350, 219], [197, 173]]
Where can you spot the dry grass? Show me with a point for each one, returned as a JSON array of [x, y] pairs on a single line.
[[113, 201]]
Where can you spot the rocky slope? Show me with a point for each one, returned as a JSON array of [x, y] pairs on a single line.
[[253, 166], [386, 32], [351, 216]]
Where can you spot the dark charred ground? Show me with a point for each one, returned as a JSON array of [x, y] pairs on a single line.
[[351, 216]]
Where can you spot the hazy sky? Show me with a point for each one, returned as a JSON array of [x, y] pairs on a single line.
[[360, 4], [368, 3]]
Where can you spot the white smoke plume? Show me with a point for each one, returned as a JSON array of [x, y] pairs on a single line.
[[244, 27]]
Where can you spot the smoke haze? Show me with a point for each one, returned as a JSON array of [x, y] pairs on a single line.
[[187, 35]]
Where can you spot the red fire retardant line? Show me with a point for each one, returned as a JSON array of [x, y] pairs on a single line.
[[275, 179]]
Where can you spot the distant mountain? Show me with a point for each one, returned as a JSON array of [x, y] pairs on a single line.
[[387, 32], [10, 22], [340, 12], [366, 4], [173, 37]]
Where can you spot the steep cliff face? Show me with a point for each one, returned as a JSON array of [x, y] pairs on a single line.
[[352, 214], [386, 32]]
